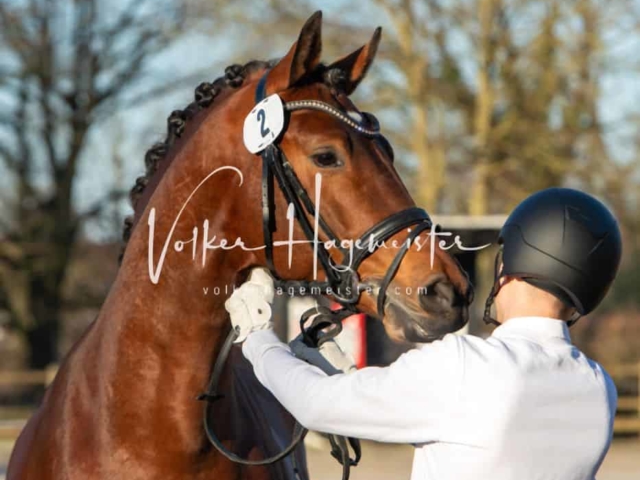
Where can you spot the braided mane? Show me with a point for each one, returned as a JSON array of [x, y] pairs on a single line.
[[205, 94]]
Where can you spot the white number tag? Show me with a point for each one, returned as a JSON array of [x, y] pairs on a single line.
[[263, 124]]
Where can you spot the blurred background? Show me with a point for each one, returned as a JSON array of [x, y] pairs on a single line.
[[484, 101]]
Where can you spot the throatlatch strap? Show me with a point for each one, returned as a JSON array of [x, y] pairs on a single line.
[[268, 206]]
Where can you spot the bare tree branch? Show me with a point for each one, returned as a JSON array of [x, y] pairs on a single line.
[[56, 93], [101, 205], [7, 157]]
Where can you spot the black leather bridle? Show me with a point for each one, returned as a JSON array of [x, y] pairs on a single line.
[[342, 281]]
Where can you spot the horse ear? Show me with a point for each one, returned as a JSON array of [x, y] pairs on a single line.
[[302, 58], [356, 64]]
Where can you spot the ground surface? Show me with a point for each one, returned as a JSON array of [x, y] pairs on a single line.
[[393, 462]]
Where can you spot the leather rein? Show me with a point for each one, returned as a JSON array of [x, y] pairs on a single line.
[[342, 281]]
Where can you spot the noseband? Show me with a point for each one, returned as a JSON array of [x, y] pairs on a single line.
[[342, 280]]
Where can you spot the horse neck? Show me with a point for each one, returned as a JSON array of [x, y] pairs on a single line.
[[155, 340]]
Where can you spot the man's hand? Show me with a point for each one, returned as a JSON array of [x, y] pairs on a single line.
[[250, 305], [329, 357]]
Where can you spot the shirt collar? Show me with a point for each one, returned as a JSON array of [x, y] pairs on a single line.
[[533, 327]]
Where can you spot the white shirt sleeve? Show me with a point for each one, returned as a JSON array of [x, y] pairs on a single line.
[[407, 402]]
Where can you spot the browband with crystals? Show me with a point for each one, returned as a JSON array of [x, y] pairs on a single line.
[[325, 107]]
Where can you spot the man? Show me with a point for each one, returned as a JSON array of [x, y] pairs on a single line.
[[523, 404]]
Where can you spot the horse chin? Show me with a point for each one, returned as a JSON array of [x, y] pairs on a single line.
[[406, 324]]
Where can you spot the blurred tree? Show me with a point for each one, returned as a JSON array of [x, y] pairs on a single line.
[[65, 67], [488, 100]]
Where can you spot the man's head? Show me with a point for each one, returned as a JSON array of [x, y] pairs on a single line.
[[558, 244]]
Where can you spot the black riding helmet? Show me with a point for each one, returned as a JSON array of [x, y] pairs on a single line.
[[563, 241]]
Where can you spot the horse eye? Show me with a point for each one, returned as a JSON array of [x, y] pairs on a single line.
[[326, 159]]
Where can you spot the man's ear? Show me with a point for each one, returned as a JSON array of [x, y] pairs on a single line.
[[302, 58], [356, 64]]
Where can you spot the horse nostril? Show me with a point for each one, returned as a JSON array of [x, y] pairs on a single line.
[[437, 295]]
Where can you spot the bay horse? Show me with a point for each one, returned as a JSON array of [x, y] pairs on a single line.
[[123, 404]]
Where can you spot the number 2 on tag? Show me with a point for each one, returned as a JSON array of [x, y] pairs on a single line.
[[262, 117]]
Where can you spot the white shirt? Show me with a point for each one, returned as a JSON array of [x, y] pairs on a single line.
[[523, 404]]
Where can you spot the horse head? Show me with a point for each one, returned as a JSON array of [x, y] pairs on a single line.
[[429, 294], [335, 154]]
